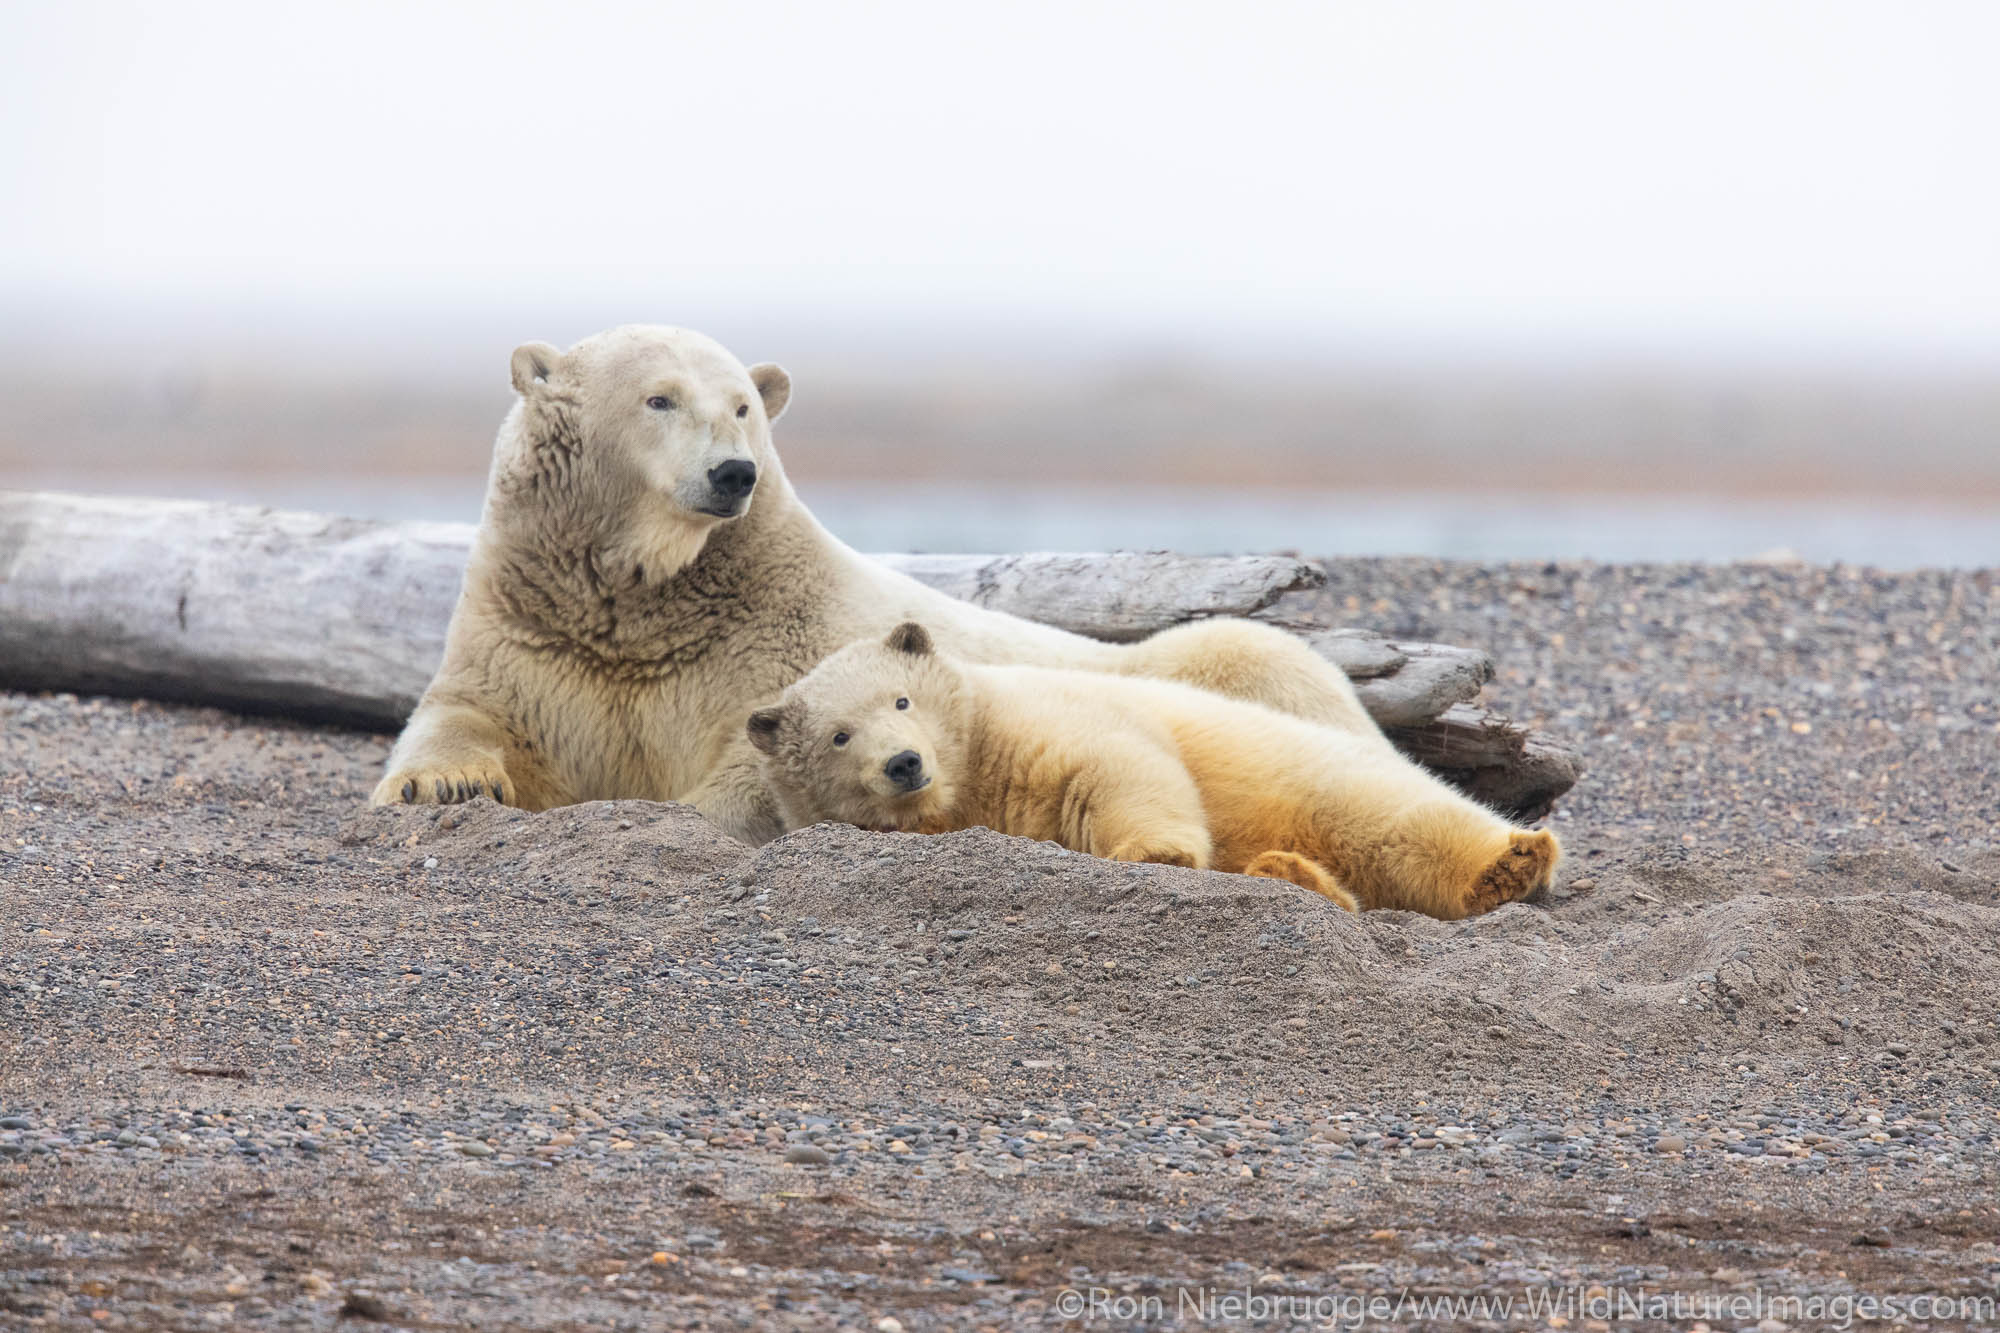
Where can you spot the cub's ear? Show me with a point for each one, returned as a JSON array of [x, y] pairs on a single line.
[[774, 386], [912, 638], [764, 726], [532, 363]]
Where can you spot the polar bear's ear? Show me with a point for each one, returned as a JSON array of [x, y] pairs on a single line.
[[532, 363], [764, 726], [912, 638], [774, 386]]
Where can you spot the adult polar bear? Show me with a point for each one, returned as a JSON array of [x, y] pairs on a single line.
[[644, 577]]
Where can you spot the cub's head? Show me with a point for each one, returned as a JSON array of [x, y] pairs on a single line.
[[656, 429], [875, 735]]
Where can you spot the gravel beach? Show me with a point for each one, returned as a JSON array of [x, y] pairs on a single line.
[[271, 1059]]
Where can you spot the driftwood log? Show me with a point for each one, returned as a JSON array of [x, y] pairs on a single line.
[[343, 620]]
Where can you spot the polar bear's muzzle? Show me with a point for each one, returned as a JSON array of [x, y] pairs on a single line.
[[729, 486], [906, 772]]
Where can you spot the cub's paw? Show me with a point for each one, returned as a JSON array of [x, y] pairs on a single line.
[[1163, 852], [1306, 874], [447, 785], [1524, 868]]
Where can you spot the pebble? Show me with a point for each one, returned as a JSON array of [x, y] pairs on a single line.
[[1218, 1140]]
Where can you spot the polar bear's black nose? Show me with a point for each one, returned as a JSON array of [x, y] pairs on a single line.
[[733, 480], [906, 770]]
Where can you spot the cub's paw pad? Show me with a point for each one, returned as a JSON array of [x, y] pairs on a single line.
[[1526, 867], [450, 786]]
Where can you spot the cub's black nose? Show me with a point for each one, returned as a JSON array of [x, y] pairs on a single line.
[[733, 480], [906, 770]]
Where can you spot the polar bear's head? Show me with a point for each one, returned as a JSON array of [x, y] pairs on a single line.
[[875, 735], [658, 426]]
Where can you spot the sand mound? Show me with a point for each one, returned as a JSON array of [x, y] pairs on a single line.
[[605, 849], [1661, 963]]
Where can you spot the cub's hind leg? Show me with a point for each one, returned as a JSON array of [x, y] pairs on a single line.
[[1306, 874], [1528, 864]]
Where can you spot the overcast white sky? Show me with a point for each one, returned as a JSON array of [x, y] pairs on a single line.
[[1810, 178]]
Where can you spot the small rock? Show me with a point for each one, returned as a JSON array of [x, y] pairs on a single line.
[[474, 1148], [807, 1154], [1670, 1143], [363, 1305]]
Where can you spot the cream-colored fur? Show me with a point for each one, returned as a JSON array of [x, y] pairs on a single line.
[[619, 621], [891, 734]]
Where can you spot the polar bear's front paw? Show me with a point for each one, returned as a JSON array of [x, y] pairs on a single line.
[[1163, 851], [448, 785], [1524, 868], [1296, 869]]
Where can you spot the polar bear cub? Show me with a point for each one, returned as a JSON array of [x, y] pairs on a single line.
[[893, 735]]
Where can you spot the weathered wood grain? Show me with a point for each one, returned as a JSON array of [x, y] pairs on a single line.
[[1505, 765], [339, 619]]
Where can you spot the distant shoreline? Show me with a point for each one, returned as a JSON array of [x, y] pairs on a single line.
[[1500, 524]]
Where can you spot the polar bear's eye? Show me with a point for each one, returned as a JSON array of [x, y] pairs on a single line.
[[659, 402], [742, 410], [840, 738], [902, 703]]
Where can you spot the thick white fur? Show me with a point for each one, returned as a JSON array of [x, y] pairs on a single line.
[[1134, 770], [612, 638]]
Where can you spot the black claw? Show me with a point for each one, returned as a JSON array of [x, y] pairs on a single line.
[[409, 791], [500, 793], [478, 789], [444, 791], [459, 791]]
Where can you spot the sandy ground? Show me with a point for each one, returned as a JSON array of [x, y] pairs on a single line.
[[271, 1059]]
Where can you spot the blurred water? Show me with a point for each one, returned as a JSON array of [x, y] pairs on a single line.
[[1455, 526], [1449, 525]]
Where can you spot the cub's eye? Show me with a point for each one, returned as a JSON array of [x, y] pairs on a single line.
[[841, 738], [742, 410], [902, 703], [660, 403]]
